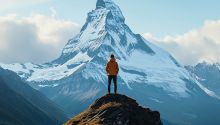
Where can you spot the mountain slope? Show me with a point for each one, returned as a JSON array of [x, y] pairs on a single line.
[[208, 75], [14, 109], [20, 104], [116, 110], [147, 73]]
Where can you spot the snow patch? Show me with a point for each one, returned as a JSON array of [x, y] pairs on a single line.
[[207, 91]]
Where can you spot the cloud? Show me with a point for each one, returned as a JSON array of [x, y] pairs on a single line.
[[149, 36], [37, 38], [197, 45], [8, 4], [54, 12]]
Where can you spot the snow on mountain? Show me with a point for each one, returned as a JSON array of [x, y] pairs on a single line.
[[218, 65], [208, 75], [43, 72], [104, 33], [147, 73]]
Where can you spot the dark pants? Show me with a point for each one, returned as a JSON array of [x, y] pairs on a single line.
[[110, 77]]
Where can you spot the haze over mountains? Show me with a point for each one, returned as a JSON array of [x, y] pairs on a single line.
[[147, 73], [22, 105]]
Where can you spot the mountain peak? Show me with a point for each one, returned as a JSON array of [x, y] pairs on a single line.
[[115, 11], [104, 33], [116, 110], [103, 3]]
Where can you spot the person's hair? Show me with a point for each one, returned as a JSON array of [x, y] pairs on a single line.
[[112, 56]]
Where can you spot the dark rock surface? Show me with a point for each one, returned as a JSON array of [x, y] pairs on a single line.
[[116, 110]]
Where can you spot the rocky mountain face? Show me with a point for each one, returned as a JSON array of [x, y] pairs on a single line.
[[208, 75], [116, 110], [22, 105], [147, 73]]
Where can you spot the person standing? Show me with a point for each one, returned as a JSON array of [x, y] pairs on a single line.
[[112, 70]]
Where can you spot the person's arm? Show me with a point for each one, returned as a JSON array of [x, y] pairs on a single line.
[[117, 68], [107, 68]]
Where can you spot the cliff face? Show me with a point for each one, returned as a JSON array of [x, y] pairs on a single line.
[[116, 110]]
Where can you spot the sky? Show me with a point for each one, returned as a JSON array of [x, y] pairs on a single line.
[[37, 30]]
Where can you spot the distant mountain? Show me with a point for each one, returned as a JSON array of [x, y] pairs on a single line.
[[22, 105], [116, 110], [147, 73], [208, 75]]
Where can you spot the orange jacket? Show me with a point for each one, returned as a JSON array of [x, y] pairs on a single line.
[[112, 67]]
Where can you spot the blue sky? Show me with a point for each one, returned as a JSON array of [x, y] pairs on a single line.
[[160, 17], [188, 29]]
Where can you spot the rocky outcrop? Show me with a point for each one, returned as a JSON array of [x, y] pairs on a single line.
[[116, 110]]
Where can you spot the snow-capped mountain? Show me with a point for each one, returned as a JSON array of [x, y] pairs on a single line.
[[147, 73], [105, 33], [208, 75]]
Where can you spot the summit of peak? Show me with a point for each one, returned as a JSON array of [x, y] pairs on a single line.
[[114, 9], [103, 3], [116, 110]]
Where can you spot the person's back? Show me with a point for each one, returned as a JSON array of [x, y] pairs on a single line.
[[112, 71]]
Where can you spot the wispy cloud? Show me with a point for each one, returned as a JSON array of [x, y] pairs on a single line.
[[36, 38], [9, 4], [197, 45]]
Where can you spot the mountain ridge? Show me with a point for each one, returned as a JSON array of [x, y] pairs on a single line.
[[21, 103], [208, 75]]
